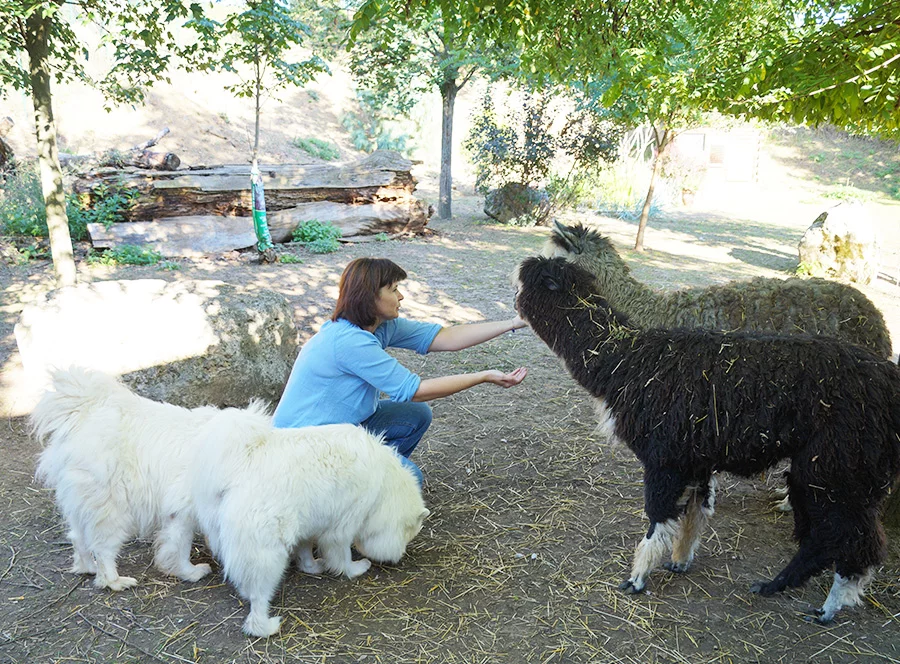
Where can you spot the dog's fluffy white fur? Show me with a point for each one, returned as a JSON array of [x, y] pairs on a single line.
[[118, 462], [264, 495]]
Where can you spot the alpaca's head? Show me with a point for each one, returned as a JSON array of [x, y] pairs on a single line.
[[586, 248], [548, 286]]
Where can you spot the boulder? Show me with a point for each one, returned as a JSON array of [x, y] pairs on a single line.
[[841, 243], [189, 343], [514, 201]]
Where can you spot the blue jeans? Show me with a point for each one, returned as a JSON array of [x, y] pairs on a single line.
[[402, 425]]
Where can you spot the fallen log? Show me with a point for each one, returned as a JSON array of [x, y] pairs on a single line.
[[139, 156], [383, 177], [196, 235]]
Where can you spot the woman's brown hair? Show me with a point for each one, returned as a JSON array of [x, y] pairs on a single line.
[[358, 290]]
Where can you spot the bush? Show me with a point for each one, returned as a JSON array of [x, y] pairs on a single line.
[[127, 254], [372, 129], [522, 148], [289, 258], [110, 205], [22, 210], [517, 148], [318, 237], [318, 148]]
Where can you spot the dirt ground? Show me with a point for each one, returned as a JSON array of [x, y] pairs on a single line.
[[534, 516]]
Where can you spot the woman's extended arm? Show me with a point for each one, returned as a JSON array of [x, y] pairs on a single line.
[[435, 388], [458, 337]]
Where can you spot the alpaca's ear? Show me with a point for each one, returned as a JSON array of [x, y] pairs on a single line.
[[568, 238], [552, 281]]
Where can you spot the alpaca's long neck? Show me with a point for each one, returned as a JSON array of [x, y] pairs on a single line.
[[623, 292], [587, 336]]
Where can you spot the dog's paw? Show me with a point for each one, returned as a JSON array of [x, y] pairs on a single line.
[[629, 587], [314, 566], [195, 572], [358, 568], [263, 627], [117, 584], [678, 568]]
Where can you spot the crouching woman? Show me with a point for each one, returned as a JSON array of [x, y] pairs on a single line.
[[342, 369]]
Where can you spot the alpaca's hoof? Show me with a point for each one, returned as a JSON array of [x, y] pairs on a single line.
[[629, 588], [783, 505], [764, 588], [678, 568], [818, 616]]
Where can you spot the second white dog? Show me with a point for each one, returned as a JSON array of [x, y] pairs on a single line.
[[118, 462], [263, 495]]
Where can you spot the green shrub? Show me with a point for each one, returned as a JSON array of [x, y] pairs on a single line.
[[127, 254], [318, 237], [374, 128], [382, 237], [289, 258], [22, 210], [110, 205], [318, 148]]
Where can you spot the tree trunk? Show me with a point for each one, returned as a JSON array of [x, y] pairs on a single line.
[[37, 29], [645, 211], [448, 100]]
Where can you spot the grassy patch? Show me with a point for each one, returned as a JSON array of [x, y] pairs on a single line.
[[127, 254], [317, 148]]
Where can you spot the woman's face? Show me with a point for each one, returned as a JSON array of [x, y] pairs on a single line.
[[387, 302]]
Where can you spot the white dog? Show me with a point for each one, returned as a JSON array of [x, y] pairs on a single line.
[[117, 462], [264, 494]]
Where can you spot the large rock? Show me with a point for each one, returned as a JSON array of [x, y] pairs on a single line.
[[517, 201], [188, 343], [841, 243]]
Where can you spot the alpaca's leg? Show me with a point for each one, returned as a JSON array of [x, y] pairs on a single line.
[[662, 489], [173, 550], [810, 559], [861, 543], [306, 561], [699, 509], [845, 591], [335, 552]]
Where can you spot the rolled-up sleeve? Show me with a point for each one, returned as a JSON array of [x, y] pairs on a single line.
[[373, 364], [412, 335]]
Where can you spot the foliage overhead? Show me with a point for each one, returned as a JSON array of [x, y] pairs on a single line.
[[260, 37], [837, 63], [140, 35], [807, 61]]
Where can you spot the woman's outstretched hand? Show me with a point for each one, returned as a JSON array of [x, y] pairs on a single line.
[[508, 379]]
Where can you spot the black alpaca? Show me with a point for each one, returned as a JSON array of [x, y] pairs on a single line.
[[692, 402]]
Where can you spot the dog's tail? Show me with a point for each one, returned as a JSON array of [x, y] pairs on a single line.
[[73, 391]]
